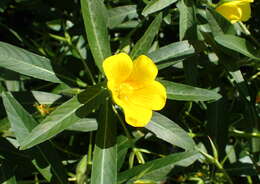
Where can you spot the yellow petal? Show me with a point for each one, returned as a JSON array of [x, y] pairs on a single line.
[[117, 68], [230, 11], [136, 116], [144, 70], [246, 11], [152, 96]]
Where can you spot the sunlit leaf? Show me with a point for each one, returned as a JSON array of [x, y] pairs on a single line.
[[27, 63], [93, 12], [144, 43], [64, 116], [104, 167], [45, 158], [156, 5], [170, 132], [237, 44], [176, 91]]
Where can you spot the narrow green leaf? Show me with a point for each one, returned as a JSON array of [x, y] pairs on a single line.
[[64, 116], [84, 125], [121, 13], [96, 28], [237, 44], [149, 169], [36, 96], [173, 51], [170, 132], [104, 167], [188, 23], [219, 24], [156, 5], [81, 170], [144, 43], [45, 158], [27, 63], [176, 91]]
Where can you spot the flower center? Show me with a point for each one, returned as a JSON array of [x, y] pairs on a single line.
[[124, 91]]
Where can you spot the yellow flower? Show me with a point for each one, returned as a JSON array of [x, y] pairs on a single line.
[[236, 10], [134, 88]]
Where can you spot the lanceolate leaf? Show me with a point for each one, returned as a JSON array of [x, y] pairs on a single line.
[[143, 45], [237, 44], [96, 28], [119, 14], [156, 5], [27, 63], [84, 125], [176, 91], [170, 132], [173, 51], [64, 116], [104, 167], [45, 157], [188, 23], [149, 169]]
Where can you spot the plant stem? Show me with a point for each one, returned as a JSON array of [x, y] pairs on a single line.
[[123, 124], [239, 133], [220, 167], [247, 32], [89, 157], [87, 70]]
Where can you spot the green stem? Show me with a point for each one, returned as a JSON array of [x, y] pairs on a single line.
[[247, 32], [87, 70], [123, 124], [220, 167], [89, 157], [239, 133]]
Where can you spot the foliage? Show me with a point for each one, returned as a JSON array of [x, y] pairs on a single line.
[[58, 122]]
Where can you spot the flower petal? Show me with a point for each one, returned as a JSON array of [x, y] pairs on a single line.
[[144, 70], [246, 11], [230, 11], [152, 96], [117, 68], [136, 116]]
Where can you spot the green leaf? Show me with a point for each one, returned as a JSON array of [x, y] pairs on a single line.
[[170, 132], [176, 91], [144, 43], [219, 24], [237, 44], [27, 63], [173, 51], [149, 169], [64, 116], [45, 158], [84, 125], [81, 170], [119, 14], [96, 28], [104, 167], [32, 97], [156, 5], [188, 23]]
